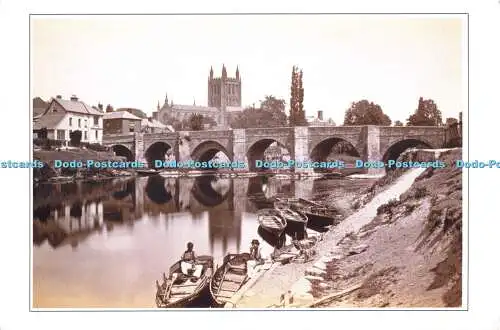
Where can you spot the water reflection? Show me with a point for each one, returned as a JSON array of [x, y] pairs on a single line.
[[92, 240], [70, 208]]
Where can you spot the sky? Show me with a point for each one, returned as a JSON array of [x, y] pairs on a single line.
[[134, 61]]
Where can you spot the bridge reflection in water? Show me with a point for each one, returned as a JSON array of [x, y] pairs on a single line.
[[94, 240]]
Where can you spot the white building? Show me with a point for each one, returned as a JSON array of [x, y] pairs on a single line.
[[65, 116], [319, 121]]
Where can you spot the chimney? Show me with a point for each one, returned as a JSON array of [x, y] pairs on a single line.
[[74, 98], [59, 97], [320, 114]]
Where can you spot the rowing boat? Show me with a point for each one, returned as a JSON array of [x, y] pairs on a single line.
[[272, 221], [229, 277], [178, 289], [316, 213], [293, 218]]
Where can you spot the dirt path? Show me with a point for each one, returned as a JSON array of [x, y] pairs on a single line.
[[268, 289]]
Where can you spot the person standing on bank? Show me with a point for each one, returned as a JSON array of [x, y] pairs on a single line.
[[188, 262], [256, 258]]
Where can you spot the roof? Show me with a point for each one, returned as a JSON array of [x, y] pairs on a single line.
[[78, 107], [37, 112], [39, 103], [193, 108], [49, 120], [136, 112], [231, 109], [152, 123], [120, 115]]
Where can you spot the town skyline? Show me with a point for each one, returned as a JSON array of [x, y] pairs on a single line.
[[408, 58]]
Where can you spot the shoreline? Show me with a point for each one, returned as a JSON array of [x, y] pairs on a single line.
[[370, 259]]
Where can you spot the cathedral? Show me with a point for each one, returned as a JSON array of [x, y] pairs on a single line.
[[224, 100]]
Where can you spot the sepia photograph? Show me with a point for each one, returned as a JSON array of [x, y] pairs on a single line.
[[248, 161]]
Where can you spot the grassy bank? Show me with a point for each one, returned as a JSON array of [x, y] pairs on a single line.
[[48, 157]]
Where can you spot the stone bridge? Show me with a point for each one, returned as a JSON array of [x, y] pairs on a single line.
[[371, 143]]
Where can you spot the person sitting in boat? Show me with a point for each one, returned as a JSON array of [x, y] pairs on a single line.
[[188, 262], [256, 257]]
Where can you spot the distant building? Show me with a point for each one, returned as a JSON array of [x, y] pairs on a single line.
[[150, 125], [318, 120], [121, 122], [61, 117], [224, 100]]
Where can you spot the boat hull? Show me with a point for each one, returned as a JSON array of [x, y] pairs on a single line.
[[274, 231], [217, 281], [319, 220], [163, 298]]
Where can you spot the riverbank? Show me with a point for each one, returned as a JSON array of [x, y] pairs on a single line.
[[389, 252]]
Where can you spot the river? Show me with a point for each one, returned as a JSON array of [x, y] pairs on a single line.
[[103, 245]]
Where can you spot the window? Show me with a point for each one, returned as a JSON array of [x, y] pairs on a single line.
[[79, 123], [85, 123], [61, 134], [85, 135], [70, 121], [96, 134], [96, 121]]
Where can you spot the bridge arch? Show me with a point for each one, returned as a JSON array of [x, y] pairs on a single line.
[[156, 191], [257, 150], [157, 151], [206, 194], [206, 150], [398, 147], [321, 150], [123, 151]]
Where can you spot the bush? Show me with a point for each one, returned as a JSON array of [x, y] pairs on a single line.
[[47, 143], [97, 147], [420, 192], [386, 208]]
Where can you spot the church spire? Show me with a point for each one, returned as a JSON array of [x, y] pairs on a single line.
[[211, 72], [224, 72], [158, 106], [166, 99], [237, 73]]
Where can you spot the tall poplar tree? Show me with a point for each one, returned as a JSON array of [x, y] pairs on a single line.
[[297, 113]]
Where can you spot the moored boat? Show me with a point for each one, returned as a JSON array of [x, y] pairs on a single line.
[[272, 221], [145, 172], [321, 216], [292, 217], [229, 277], [316, 213], [178, 289]]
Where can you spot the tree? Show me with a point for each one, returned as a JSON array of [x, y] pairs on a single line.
[[297, 113], [196, 122], [76, 138], [427, 114], [271, 113], [109, 108], [451, 121], [398, 123], [209, 121], [366, 113]]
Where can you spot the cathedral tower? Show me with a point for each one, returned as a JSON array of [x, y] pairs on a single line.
[[224, 91]]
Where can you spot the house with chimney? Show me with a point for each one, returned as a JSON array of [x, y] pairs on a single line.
[[61, 117], [318, 120]]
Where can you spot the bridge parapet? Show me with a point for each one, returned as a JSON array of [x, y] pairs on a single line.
[[110, 139], [206, 135], [270, 132], [411, 130], [160, 136]]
